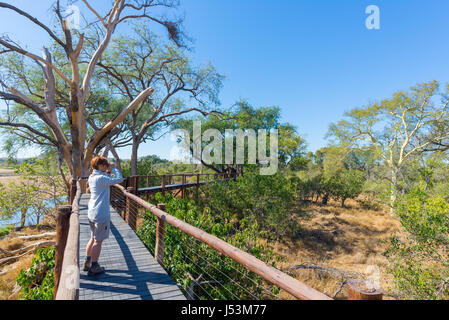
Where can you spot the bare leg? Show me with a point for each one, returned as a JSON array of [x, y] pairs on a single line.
[[89, 247], [96, 250]]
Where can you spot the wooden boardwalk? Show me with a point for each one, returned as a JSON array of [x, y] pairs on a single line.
[[170, 187], [132, 273]]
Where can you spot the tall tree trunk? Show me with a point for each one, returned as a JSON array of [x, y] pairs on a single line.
[[134, 159], [23, 218], [394, 181], [118, 163]]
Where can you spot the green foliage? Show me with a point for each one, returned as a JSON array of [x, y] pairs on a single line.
[[425, 216], [187, 258], [4, 231], [17, 198], [265, 200], [145, 166], [37, 283], [398, 130], [335, 172], [35, 195], [420, 262], [246, 117], [346, 184]]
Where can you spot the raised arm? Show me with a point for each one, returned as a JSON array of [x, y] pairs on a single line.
[[109, 181]]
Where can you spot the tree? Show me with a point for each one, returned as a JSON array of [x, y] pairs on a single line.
[[35, 195], [72, 145], [419, 260], [396, 128], [134, 63], [245, 118], [346, 184]]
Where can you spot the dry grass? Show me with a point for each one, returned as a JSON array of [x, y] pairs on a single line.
[[7, 176], [350, 239], [6, 172], [8, 280], [9, 272]]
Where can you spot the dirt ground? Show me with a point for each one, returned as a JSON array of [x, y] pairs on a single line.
[[6, 172], [7, 176], [10, 271], [338, 243]]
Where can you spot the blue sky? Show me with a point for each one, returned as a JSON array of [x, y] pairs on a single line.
[[315, 59]]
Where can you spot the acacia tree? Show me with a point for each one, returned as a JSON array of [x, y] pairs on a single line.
[[244, 118], [397, 128], [77, 76], [137, 62]]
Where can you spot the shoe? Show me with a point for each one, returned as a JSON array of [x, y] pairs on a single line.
[[95, 270], [86, 265]]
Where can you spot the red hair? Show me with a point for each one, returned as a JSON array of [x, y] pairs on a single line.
[[98, 161]]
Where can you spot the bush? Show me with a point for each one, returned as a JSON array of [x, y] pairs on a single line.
[[347, 184], [184, 262], [37, 283], [4, 231], [420, 262], [265, 200]]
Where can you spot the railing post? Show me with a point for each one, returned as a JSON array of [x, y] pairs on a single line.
[[197, 186], [72, 191], [163, 185], [147, 186], [136, 183], [130, 216], [183, 192], [160, 235], [357, 290], [62, 231]]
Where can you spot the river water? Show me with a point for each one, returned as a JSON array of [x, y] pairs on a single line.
[[31, 217]]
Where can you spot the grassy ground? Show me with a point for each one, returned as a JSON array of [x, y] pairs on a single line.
[[351, 239]]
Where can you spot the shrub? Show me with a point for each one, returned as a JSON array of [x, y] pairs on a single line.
[[420, 261], [37, 283], [265, 200], [4, 231], [347, 184], [186, 262]]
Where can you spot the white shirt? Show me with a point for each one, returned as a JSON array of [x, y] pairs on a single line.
[[99, 203]]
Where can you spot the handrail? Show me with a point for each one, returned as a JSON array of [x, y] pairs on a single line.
[[291, 285], [68, 288]]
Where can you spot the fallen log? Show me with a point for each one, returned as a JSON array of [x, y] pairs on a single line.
[[36, 236], [11, 259], [33, 248], [342, 274], [39, 245]]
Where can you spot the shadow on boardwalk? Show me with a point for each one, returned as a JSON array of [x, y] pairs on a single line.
[[131, 271]]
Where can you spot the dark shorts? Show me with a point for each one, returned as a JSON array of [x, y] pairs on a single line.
[[100, 231]]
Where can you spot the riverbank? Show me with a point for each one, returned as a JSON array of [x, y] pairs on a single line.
[[17, 251]]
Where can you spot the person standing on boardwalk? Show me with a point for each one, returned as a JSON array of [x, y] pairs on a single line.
[[103, 176]]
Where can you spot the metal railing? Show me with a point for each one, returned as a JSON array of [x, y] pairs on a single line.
[[212, 267], [195, 250]]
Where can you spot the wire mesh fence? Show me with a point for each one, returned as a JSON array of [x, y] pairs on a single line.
[[202, 272]]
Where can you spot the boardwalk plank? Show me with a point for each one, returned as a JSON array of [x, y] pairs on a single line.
[[132, 273]]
